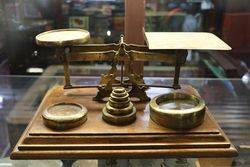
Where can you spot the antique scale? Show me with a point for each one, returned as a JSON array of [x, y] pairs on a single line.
[[173, 123]]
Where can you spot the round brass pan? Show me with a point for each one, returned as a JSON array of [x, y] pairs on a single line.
[[177, 110], [63, 37], [64, 115]]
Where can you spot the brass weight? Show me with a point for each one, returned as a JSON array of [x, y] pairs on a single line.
[[64, 115], [119, 110], [177, 110]]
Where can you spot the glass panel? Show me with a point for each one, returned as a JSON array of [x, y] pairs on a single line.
[[21, 21], [103, 19]]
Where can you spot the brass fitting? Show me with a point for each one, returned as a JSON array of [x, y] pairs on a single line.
[[181, 111], [119, 110]]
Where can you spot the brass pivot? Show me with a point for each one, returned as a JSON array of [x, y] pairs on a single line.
[[119, 110], [110, 79]]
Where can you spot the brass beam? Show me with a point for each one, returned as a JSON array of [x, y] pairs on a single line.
[[109, 56]]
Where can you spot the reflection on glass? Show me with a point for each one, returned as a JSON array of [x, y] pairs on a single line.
[[177, 105], [104, 19]]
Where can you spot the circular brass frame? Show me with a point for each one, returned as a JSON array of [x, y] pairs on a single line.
[[120, 98], [121, 104], [84, 38], [67, 121], [119, 119], [177, 119], [121, 111]]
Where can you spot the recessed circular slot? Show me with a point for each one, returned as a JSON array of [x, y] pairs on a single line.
[[64, 115], [180, 104]]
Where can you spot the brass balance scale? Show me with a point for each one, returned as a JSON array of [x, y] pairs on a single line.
[[121, 127]]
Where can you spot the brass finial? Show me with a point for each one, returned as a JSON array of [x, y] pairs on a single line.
[[119, 110]]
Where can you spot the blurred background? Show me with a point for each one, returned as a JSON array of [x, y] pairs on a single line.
[[27, 71], [22, 20]]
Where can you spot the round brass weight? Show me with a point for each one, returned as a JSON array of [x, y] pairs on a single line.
[[177, 110], [64, 115], [119, 110]]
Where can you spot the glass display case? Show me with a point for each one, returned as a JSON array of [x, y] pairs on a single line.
[[118, 54]]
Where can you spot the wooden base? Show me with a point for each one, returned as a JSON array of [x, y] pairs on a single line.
[[97, 139], [213, 162]]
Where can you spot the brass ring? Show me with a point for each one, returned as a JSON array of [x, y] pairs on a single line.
[[177, 118], [119, 94], [119, 120], [122, 111], [121, 104], [120, 98]]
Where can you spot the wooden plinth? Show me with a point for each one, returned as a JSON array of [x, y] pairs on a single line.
[[96, 139]]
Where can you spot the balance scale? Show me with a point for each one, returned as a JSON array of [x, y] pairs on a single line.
[[122, 116]]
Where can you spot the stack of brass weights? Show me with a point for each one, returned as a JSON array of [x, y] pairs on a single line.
[[119, 110]]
